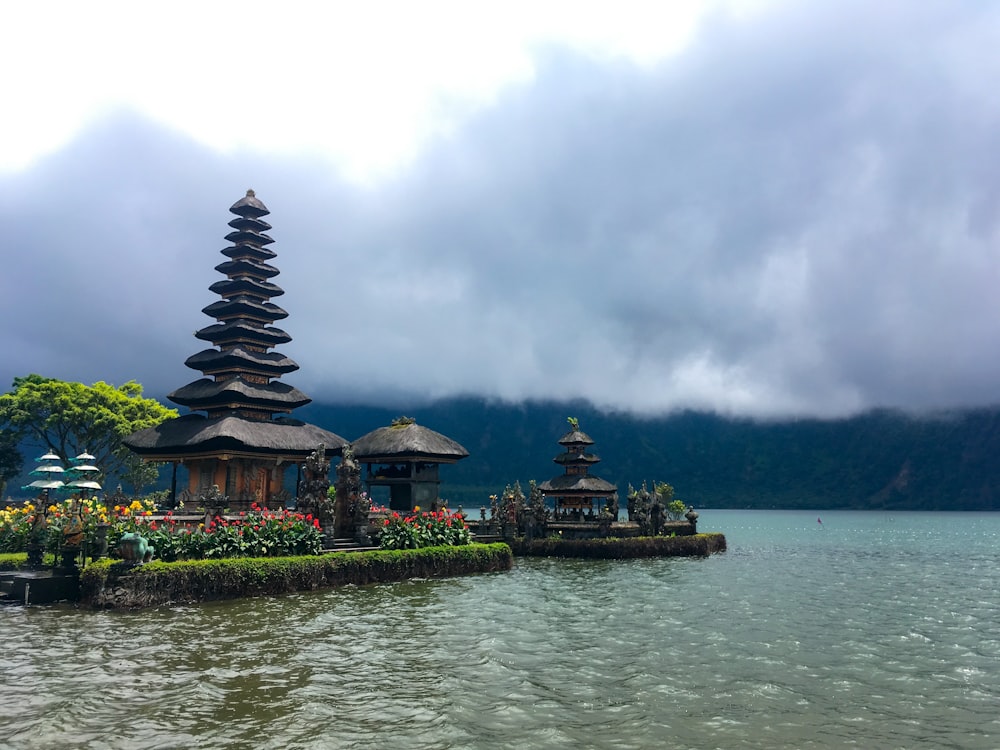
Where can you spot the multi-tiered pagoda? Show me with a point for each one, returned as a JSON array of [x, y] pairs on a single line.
[[577, 492], [244, 441]]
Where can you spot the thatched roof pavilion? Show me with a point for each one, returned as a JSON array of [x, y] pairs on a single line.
[[576, 489], [244, 441], [405, 458]]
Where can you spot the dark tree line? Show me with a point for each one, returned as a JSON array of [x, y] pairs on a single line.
[[877, 460]]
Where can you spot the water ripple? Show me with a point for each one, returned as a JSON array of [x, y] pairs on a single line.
[[868, 630]]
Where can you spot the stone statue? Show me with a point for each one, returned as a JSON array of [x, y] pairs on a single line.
[[314, 487], [353, 505], [214, 501], [612, 507], [73, 528], [118, 498], [135, 549], [641, 502], [39, 521], [656, 513], [38, 534], [537, 510]]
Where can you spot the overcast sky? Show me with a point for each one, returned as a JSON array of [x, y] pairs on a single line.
[[769, 209]]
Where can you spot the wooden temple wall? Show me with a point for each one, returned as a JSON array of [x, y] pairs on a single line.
[[243, 480]]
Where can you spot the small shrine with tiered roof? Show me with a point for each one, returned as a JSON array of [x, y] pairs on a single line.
[[578, 495], [244, 441]]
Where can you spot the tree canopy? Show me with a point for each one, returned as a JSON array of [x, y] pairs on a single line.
[[73, 418], [11, 459]]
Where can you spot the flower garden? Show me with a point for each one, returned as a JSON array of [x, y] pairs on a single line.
[[433, 529], [258, 533]]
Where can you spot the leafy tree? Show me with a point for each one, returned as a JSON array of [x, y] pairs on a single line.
[[11, 460], [138, 474], [71, 418]]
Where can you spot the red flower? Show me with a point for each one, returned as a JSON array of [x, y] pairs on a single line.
[[316, 523]]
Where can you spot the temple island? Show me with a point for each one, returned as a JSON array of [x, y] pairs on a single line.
[[231, 453]]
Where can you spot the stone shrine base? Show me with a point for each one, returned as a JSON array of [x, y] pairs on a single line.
[[38, 587]]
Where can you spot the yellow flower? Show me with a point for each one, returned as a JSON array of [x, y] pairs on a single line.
[[52, 509]]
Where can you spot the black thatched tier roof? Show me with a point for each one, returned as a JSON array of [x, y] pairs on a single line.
[[256, 225], [247, 267], [237, 331], [569, 458], [252, 287], [238, 358], [206, 394], [245, 307], [407, 441], [251, 232], [577, 484], [576, 437], [195, 434], [245, 250], [249, 206]]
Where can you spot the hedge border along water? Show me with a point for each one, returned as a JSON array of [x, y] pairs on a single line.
[[696, 545], [114, 585], [10, 561]]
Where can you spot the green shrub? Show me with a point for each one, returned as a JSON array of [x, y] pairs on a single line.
[[613, 548], [116, 584]]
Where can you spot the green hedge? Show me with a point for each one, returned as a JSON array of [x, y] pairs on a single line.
[[13, 560], [108, 584], [615, 548], [17, 560]]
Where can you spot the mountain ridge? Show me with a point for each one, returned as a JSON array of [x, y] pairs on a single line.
[[881, 459]]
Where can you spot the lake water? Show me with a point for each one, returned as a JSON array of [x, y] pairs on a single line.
[[865, 630]]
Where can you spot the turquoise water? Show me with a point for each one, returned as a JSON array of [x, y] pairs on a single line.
[[868, 629]]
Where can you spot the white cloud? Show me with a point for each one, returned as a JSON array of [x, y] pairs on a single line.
[[795, 214], [360, 84]]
